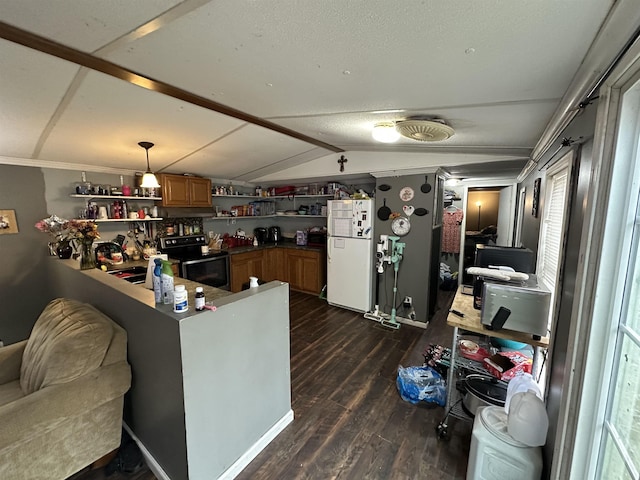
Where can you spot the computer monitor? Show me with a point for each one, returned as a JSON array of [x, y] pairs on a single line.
[[520, 259]]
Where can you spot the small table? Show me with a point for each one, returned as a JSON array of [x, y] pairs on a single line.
[[471, 322]]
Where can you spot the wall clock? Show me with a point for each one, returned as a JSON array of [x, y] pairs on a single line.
[[400, 226], [406, 194]]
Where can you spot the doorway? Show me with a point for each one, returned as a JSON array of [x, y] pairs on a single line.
[[489, 214]]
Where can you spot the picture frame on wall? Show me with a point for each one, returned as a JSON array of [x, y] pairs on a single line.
[[536, 197], [8, 223]]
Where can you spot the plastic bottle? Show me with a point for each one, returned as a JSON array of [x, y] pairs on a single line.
[[199, 299], [167, 283], [180, 299], [157, 280]]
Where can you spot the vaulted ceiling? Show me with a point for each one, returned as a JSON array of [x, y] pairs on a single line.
[[254, 91]]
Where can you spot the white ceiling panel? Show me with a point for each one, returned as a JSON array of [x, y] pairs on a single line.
[[283, 58], [506, 125], [494, 70], [85, 25], [31, 85], [107, 118], [246, 150], [381, 163]]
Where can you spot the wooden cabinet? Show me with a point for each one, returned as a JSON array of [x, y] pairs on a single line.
[[200, 192], [245, 265], [274, 263], [305, 270], [183, 191]]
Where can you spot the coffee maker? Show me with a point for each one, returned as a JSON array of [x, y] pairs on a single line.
[[260, 235], [275, 235]]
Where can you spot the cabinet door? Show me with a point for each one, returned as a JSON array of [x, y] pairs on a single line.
[[304, 270], [243, 266], [200, 192], [274, 261], [175, 190]]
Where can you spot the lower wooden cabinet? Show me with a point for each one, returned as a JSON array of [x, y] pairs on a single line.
[[303, 270], [274, 260], [245, 265]]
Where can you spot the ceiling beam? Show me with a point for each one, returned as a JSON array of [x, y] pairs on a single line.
[[48, 46]]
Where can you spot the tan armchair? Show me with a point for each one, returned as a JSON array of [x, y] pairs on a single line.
[[62, 393]]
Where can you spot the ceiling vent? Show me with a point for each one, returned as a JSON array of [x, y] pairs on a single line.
[[424, 130]]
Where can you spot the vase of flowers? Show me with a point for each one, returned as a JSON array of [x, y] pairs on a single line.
[[70, 235], [82, 234]]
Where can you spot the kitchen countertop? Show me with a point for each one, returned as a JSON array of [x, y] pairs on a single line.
[[286, 244], [211, 294], [133, 263]]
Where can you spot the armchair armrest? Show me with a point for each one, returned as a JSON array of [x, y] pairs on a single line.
[[11, 361], [43, 410]]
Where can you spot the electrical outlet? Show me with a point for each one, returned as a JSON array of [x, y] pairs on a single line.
[[408, 301]]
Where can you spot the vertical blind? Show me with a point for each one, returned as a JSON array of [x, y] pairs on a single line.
[[552, 227]]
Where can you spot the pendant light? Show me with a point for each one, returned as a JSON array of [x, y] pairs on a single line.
[[149, 180]]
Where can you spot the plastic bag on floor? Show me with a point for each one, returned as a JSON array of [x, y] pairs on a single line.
[[421, 384]]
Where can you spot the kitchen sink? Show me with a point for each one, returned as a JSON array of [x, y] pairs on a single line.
[[135, 275]]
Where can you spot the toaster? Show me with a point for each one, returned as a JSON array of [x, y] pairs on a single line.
[[522, 308]]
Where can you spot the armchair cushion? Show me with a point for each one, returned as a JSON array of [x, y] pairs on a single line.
[[62, 393], [68, 340], [10, 361]]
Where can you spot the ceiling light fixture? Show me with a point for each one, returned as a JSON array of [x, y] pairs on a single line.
[[149, 180], [420, 129], [425, 130], [385, 132]]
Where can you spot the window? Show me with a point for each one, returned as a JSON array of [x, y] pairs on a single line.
[[521, 203], [619, 452], [552, 225], [607, 437]]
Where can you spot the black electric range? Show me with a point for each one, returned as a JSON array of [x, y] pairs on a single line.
[[210, 268]]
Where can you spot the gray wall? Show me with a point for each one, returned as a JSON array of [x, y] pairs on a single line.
[[582, 126], [414, 271], [23, 272]]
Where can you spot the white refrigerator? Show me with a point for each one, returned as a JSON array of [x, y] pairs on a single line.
[[350, 254]]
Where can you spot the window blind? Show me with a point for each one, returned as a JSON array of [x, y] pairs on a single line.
[[553, 221]]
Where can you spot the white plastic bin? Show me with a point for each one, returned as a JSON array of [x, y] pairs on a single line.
[[495, 455]]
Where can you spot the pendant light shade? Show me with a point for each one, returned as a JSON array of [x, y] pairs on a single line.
[[149, 180]]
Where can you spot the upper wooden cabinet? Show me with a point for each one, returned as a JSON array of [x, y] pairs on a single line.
[[200, 192], [184, 191]]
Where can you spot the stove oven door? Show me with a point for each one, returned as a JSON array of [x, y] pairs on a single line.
[[213, 271]]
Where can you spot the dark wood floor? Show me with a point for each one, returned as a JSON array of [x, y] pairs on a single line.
[[350, 421]]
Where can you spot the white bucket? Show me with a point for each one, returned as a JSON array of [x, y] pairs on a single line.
[[495, 455]]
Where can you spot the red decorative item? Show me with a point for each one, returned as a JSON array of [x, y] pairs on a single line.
[[506, 365]]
